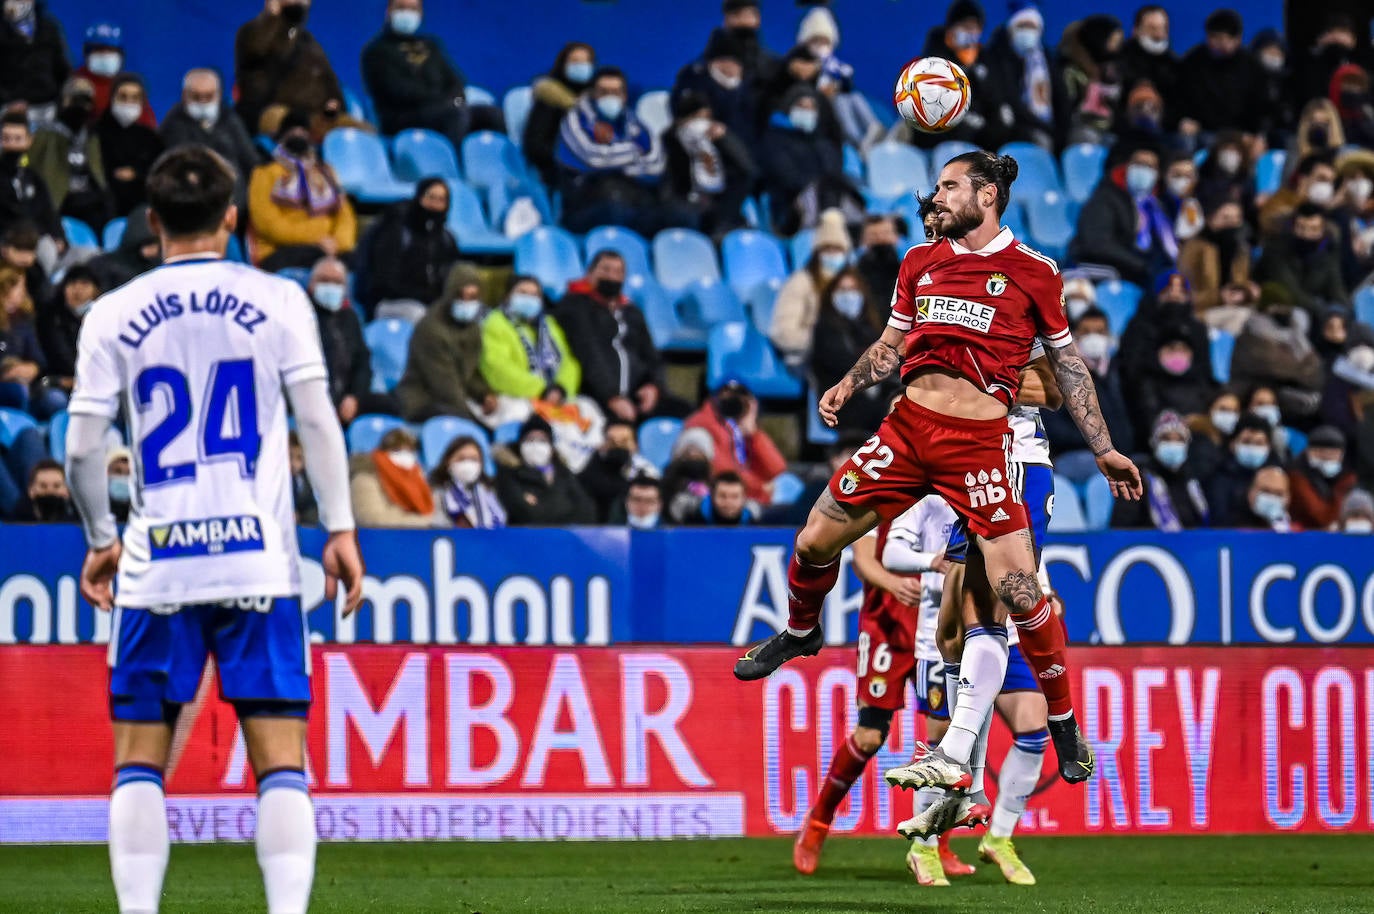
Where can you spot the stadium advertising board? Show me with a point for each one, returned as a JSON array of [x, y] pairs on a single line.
[[602, 586], [411, 743]]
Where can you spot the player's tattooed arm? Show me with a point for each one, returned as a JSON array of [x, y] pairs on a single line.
[[878, 362], [1080, 396]]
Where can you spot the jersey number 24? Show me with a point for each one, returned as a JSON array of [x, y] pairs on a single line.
[[228, 419]]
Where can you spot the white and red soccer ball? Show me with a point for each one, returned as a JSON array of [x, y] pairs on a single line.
[[932, 94]]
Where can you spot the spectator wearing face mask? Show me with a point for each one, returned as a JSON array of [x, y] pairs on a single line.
[[642, 506], [1337, 44], [346, 356], [1147, 56], [709, 171], [524, 349], [687, 478], [59, 324], [389, 487], [820, 33], [139, 251], [1226, 174], [1123, 225], [279, 67], [47, 499], [1349, 92], [409, 254], [846, 325], [302, 494], [462, 489], [1267, 503], [879, 258], [1219, 79], [540, 490], [1169, 310], [1277, 104], [201, 118], [554, 94], [66, 155], [443, 373], [118, 469], [1274, 350], [1314, 181], [23, 193], [1090, 74], [1357, 513], [103, 50], [1179, 196], [1355, 216], [128, 147], [741, 21], [610, 469], [1097, 345], [1212, 431], [33, 56], [801, 67], [1319, 481], [410, 78], [798, 304], [718, 76], [731, 416], [1173, 383], [1217, 257], [803, 171], [727, 505], [1249, 448], [960, 39], [1031, 102], [1173, 499], [1305, 261], [1319, 132]]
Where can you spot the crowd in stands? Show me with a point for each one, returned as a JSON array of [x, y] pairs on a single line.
[[1212, 207]]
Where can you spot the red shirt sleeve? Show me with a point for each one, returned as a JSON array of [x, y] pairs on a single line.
[[903, 306], [1047, 307]]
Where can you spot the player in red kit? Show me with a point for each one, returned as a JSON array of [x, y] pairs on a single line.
[[965, 313]]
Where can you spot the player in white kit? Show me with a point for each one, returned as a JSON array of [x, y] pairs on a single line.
[[201, 357]]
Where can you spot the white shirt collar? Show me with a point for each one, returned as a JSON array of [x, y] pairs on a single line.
[[1000, 242]]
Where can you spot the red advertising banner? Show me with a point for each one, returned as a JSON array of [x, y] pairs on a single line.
[[539, 743]]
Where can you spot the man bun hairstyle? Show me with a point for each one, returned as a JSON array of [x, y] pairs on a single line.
[[190, 188], [986, 168]]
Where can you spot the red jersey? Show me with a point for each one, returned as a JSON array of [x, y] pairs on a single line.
[[976, 313]]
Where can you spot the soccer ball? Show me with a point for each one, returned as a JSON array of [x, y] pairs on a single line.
[[932, 94]]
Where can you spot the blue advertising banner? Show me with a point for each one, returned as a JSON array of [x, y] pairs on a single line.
[[601, 586]]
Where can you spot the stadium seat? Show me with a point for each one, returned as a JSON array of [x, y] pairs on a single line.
[[367, 431], [736, 349], [656, 440], [468, 223], [359, 159], [1068, 516], [114, 233], [424, 154], [817, 432], [703, 304], [1015, 219], [299, 275], [500, 198], [787, 488], [12, 422], [800, 247], [476, 95], [490, 158], [947, 150], [358, 106], [759, 304], [1364, 304], [1050, 226], [1077, 467], [389, 342], [1037, 172], [507, 433], [516, 107], [653, 111], [683, 256], [1082, 164], [1098, 501], [57, 435], [1222, 346], [1119, 299], [438, 433], [752, 258], [895, 170], [234, 251], [1269, 171], [661, 315], [79, 234], [551, 254], [1294, 439], [854, 164], [750, 211], [628, 243]]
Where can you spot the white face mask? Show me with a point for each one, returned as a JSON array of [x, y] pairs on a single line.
[[125, 112], [849, 302], [645, 522], [330, 295], [405, 22], [1359, 190], [1154, 45], [1180, 185], [404, 460], [1229, 160], [465, 472], [203, 111], [537, 453], [1360, 525], [1321, 193], [1270, 413], [1270, 506], [1095, 345], [1225, 420], [610, 106], [694, 131], [725, 80], [104, 63]]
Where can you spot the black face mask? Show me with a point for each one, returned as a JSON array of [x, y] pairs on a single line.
[[50, 507], [882, 254], [9, 160], [296, 144], [1281, 316], [1318, 136], [695, 469], [609, 288], [75, 116], [744, 34], [617, 457], [731, 406], [1306, 247], [294, 14]]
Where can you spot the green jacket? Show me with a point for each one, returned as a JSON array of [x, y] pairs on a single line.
[[48, 157], [506, 361], [443, 368]]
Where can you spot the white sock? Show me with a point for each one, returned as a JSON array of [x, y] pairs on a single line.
[[951, 686], [800, 632], [1020, 773], [978, 763], [924, 798], [286, 841], [138, 839], [982, 669]]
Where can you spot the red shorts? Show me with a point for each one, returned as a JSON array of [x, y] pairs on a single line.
[[887, 649], [918, 452]]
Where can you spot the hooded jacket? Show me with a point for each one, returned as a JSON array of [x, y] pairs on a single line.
[[410, 252], [443, 367]]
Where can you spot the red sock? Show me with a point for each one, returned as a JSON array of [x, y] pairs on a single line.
[[807, 586], [1043, 643], [845, 767]]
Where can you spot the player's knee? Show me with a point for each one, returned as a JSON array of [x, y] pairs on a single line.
[[1033, 742], [814, 547], [874, 724]]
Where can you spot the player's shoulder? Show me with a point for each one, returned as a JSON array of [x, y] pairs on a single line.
[[1038, 264], [919, 252]]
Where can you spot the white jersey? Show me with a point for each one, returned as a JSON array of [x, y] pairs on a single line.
[[197, 354], [925, 528], [1028, 442]]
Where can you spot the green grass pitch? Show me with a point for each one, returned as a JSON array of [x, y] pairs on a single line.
[[1158, 875]]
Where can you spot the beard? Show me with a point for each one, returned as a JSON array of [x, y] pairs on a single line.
[[950, 224]]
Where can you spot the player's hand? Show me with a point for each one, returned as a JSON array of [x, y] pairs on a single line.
[[905, 589], [834, 400], [343, 562], [940, 565], [97, 575], [1122, 475]]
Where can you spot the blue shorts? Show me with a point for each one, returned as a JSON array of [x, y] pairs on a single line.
[[1020, 677], [931, 700], [1037, 493], [262, 653]]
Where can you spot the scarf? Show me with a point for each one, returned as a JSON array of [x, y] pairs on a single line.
[[737, 440], [1162, 511], [1037, 78], [406, 489], [542, 352], [477, 506], [1153, 223], [27, 26], [306, 185]]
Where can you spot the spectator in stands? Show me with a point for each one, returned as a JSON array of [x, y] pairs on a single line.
[[1274, 350], [1032, 103], [1147, 57], [731, 416], [1172, 383], [540, 490], [128, 147], [279, 68], [1123, 225], [1220, 80], [741, 21], [709, 170], [879, 259], [1306, 261], [1249, 448], [19, 244], [389, 486], [17, 460], [1096, 344], [59, 324], [687, 478], [607, 475], [1319, 131], [1319, 481], [799, 300], [1179, 198], [138, 251], [1212, 432], [719, 76], [1357, 513], [1079, 296], [200, 118], [1173, 499], [103, 51], [118, 470], [801, 67], [642, 506], [820, 33], [22, 361], [1090, 76], [1355, 216], [554, 94], [525, 351], [47, 499], [1169, 308], [1350, 94], [443, 374], [462, 489], [622, 369], [1143, 119], [302, 495], [803, 171], [410, 252], [960, 39], [610, 162], [1277, 102], [1226, 173], [66, 155], [33, 57], [346, 356], [1267, 503], [410, 78], [298, 212], [1336, 45], [1313, 181], [1218, 257], [847, 323], [726, 506], [23, 194]]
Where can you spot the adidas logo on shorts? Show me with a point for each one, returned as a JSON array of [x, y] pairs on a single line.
[[1054, 672], [999, 515]]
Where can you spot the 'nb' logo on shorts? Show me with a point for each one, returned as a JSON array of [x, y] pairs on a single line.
[[983, 489], [212, 536]]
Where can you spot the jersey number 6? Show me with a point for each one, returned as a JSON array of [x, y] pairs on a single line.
[[228, 424], [881, 461]]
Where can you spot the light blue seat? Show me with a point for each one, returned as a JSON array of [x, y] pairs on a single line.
[[759, 303], [476, 95], [358, 106], [1297, 441], [656, 440], [800, 247], [1015, 219], [1222, 346], [1119, 299], [359, 159], [752, 258], [750, 211], [1077, 467], [550, 254], [941, 154], [516, 107], [114, 233], [1364, 304], [736, 349], [628, 243], [438, 433], [1037, 172], [1098, 502], [817, 432], [468, 223], [1269, 171], [660, 313], [703, 304], [654, 112], [12, 423], [490, 158], [1082, 163], [895, 170], [787, 488], [507, 433], [854, 164], [424, 154], [1051, 227], [79, 234], [57, 435], [234, 251], [367, 431], [299, 275], [684, 256], [500, 197], [1069, 516], [388, 340]]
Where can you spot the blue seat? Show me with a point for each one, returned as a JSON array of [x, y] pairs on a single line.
[[817, 432], [683, 256], [854, 164], [1076, 466], [656, 440], [654, 112], [516, 107], [705, 303], [476, 95], [787, 488], [1364, 305], [234, 251], [628, 243], [1082, 164], [1069, 516], [1297, 441], [358, 106], [895, 170], [57, 435], [800, 247], [114, 233], [507, 433], [299, 275], [1098, 502], [79, 234], [660, 314], [438, 433], [550, 254], [1015, 219], [490, 158], [366, 431], [941, 154], [1222, 346], [1269, 171], [759, 303], [468, 223], [12, 422], [752, 258], [750, 211], [1051, 227], [736, 349], [424, 154], [1119, 299], [388, 340], [359, 159], [1037, 172]]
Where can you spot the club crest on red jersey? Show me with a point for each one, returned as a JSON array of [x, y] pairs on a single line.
[[849, 482], [997, 283]]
